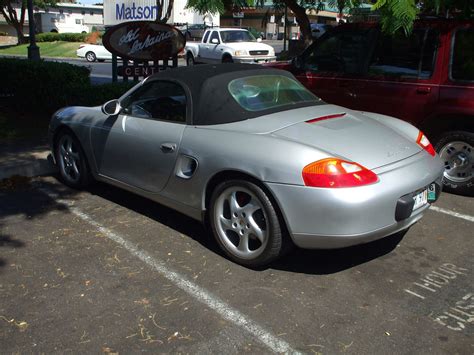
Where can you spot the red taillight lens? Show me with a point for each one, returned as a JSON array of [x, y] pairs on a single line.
[[424, 143], [333, 173]]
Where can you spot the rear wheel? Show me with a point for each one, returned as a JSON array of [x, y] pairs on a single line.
[[190, 60], [73, 168], [456, 150], [245, 223], [90, 57]]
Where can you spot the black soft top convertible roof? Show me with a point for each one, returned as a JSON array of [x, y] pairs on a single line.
[[211, 102]]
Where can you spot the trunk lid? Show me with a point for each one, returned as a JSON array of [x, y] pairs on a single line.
[[352, 136]]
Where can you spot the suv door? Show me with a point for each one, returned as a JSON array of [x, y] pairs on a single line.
[[333, 66], [139, 146], [400, 79]]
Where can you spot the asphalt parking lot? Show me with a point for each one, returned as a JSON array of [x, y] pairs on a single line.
[[105, 271]]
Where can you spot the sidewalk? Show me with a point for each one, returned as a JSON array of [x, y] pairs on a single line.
[[25, 158]]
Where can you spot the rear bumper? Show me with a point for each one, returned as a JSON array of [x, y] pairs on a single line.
[[333, 218]]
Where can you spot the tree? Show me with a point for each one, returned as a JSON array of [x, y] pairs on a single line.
[[395, 15], [160, 17], [8, 10]]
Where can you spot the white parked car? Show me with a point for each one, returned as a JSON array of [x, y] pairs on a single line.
[[227, 45], [93, 52]]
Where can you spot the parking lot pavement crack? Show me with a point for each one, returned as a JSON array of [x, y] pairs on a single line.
[[227, 312]]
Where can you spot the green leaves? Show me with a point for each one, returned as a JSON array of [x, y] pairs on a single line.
[[396, 15]]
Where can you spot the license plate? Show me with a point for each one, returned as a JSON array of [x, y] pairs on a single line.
[[421, 199]]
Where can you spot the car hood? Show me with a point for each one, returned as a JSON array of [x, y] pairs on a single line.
[[369, 141], [250, 46]]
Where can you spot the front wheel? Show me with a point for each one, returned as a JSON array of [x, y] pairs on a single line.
[[456, 150], [73, 168], [245, 223], [91, 57], [227, 59]]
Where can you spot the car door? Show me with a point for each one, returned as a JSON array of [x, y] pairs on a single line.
[[400, 79], [333, 66], [203, 53], [102, 52], [139, 146], [215, 49]]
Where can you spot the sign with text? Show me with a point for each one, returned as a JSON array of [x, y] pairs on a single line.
[[137, 71], [120, 11], [144, 40]]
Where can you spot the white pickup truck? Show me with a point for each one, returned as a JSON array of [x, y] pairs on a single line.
[[226, 45]]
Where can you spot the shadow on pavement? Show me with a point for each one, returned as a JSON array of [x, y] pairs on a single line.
[[299, 260], [20, 198], [321, 262], [158, 213]]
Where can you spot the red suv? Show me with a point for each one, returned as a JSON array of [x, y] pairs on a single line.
[[426, 79]]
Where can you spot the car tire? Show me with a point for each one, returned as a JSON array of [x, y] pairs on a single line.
[[456, 150], [245, 223], [227, 59], [71, 160], [190, 60], [91, 57]]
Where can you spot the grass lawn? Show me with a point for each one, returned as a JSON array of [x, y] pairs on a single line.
[[47, 49]]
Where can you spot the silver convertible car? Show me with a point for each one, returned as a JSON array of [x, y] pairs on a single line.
[[253, 154]]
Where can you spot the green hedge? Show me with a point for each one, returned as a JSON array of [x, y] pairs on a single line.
[[44, 87], [66, 37]]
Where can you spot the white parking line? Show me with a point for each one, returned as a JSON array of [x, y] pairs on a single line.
[[452, 213], [224, 310]]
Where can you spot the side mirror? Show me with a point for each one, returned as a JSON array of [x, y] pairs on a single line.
[[259, 39], [214, 41], [111, 108]]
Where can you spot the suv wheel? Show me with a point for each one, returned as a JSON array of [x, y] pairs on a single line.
[[456, 150]]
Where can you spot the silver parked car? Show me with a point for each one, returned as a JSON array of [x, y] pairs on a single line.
[[253, 153]]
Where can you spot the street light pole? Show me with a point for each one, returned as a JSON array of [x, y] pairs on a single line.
[[33, 49]]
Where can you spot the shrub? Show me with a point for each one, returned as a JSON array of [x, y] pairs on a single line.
[[66, 37], [97, 95], [44, 87]]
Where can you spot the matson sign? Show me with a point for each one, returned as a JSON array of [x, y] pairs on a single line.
[[116, 12]]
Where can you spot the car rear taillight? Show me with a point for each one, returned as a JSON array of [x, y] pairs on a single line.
[[424, 143], [336, 173]]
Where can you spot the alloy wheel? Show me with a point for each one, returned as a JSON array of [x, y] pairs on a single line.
[[241, 223], [69, 159]]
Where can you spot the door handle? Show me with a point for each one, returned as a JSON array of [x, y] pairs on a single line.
[[168, 147], [423, 90]]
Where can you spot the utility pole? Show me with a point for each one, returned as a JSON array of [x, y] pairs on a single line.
[[284, 28], [33, 49]]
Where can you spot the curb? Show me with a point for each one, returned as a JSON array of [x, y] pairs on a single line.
[[36, 167]]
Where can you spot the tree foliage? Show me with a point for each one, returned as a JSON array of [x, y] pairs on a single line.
[[7, 9], [395, 15]]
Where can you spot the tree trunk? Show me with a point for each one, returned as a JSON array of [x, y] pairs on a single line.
[[9, 14], [302, 18]]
